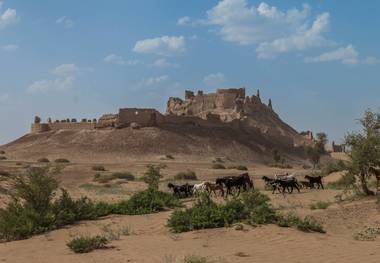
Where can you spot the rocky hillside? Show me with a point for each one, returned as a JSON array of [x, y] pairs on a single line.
[[150, 143]]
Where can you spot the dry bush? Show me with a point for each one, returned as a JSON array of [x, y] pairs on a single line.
[[62, 160], [218, 166], [43, 160], [98, 168], [85, 244]]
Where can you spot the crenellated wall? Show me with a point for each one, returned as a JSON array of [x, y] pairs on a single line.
[[44, 127]]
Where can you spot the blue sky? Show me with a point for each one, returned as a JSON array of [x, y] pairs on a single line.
[[319, 61]]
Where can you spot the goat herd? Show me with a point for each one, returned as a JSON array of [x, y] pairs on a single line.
[[233, 185]]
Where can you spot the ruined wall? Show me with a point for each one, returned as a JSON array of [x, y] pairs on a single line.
[[44, 127], [229, 104], [144, 117], [40, 127], [72, 125], [108, 121], [213, 121]]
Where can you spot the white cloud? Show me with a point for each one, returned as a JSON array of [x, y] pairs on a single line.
[[10, 47], [214, 80], [346, 55], [65, 79], [58, 84], [114, 59], [154, 80], [163, 63], [273, 31], [8, 17], [164, 46], [183, 21], [304, 39], [119, 60], [65, 70], [371, 61], [65, 21]]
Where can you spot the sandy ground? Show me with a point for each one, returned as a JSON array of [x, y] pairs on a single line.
[[149, 240]]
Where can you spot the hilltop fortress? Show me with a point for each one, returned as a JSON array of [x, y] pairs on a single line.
[[224, 108]]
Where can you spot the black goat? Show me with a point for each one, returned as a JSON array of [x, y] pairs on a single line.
[[181, 190], [315, 180], [270, 182], [238, 182]]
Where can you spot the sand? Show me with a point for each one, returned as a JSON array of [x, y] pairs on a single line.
[[149, 239]]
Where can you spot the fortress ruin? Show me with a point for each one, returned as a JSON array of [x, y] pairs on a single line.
[[225, 107]]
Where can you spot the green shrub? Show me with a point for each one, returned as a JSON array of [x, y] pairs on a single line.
[[319, 205], [152, 176], [259, 208], [146, 202], [188, 175], [67, 210], [252, 207], [3, 158], [205, 213], [308, 224], [36, 189], [43, 160], [17, 222], [238, 167], [98, 168], [195, 259], [85, 244], [287, 220], [218, 166], [61, 160], [123, 175]]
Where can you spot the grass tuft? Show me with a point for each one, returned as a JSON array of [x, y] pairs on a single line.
[[86, 244]]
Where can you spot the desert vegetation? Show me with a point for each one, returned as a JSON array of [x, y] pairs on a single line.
[[61, 160], [36, 206], [85, 244], [364, 150], [252, 208]]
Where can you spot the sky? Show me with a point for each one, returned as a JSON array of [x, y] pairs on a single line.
[[318, 61]]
